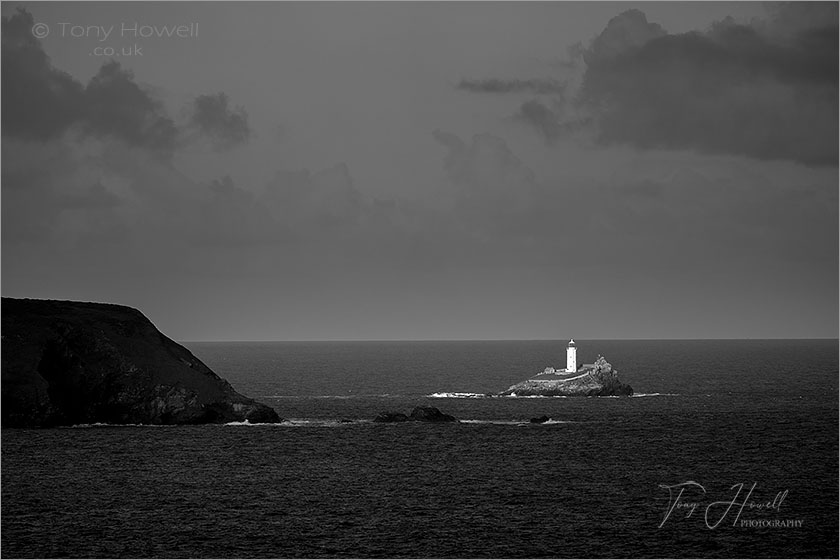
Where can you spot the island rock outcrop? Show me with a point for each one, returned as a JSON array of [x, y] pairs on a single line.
[[592, 380], [430, 414], [419, 414], [391, 417], [67, 362]]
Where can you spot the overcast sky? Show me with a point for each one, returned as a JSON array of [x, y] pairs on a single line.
[[305, 171]]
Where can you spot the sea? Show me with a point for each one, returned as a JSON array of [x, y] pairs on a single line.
[[728, 448]]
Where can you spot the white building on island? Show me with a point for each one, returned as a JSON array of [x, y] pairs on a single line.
[[571, 357]]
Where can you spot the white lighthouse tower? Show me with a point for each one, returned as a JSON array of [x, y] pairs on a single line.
[[571, 357]]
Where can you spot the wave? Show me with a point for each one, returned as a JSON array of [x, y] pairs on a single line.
[[247, 423], [498, 422], [107, 425], [515, 396], [517, 422], [446, 395], [305, 423], [288, 423], [293, 422], [378, 396], [332, 423], [456, 395]]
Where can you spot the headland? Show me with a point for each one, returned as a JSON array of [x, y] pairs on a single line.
[[69, 362]]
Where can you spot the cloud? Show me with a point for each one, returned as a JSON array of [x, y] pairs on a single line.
[[41, 102], [56, 192], [79, 194], [331, 217], [228, 216], [493, 85], [540, 116], [211, 117], [657, 211], [94, 196], [114, 105], [625, 31], [90, 165], [767, 90], [315, 203], [495, 192], [787, 19], [735, 89], [91, 168]]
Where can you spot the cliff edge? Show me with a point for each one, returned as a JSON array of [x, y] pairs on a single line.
[[67, 362], [594, 380]]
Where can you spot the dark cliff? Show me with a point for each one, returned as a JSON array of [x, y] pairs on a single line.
[[66, 362]]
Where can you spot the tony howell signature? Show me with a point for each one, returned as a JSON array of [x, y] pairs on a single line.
[[714, 513]]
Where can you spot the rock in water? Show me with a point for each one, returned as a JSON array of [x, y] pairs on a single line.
[[596, 380], [67, 362], [540, 420], [419, 414], [391, 417], [430, 414]]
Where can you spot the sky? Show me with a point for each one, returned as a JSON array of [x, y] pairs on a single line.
[[428, 170]]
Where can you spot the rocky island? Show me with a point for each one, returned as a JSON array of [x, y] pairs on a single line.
[[598, 379], [67, 362], [419, 414]]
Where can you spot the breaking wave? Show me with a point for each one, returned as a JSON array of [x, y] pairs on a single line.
[[517, 422], [515, 396], [107, 425], [445, 395], [333, 423], [378, 396], [655, 395], [305, 423], [497, 422]]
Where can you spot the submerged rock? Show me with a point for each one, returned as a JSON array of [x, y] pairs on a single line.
[[595, 380], [67, 362], [419, 414]]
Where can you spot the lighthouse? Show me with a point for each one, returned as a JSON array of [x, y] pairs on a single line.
[[571, 357]]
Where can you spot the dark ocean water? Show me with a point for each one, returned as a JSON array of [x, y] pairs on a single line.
[[717, 413]]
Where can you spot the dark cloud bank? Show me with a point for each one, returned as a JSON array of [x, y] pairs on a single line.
[[42, 103], [61, 139], [87, 167], [734, 89], [767, 90]]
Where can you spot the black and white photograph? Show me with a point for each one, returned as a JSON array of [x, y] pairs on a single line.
[[422, 279]]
